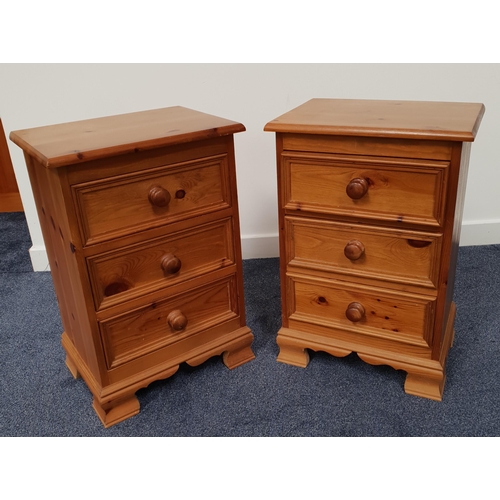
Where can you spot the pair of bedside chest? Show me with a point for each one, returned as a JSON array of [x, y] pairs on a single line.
[[139, 215]]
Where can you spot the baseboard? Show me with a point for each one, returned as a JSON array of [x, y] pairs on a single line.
[[267, 246], [480, 233], [39, 259], [260, 246]]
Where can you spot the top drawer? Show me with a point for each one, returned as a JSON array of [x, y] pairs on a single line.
[[388, 189], [124, 204]]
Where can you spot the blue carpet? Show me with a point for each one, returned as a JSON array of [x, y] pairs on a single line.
[[331, 397]]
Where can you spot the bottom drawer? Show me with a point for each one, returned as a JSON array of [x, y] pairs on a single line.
[[361, 309], [157, 325]]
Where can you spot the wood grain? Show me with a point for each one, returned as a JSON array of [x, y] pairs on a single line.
[[138, 268], [120, 205], [389, 254], [398, 191], [393, 119], [77, 142], [370, 204], [137, 333], [394, 316], [140, 219], [367, 146], [10, 199]]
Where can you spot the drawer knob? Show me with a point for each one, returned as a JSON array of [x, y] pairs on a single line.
[[170, 263], [177, 320], [158, 196], [354, 250], [357, 188], [355, 312]]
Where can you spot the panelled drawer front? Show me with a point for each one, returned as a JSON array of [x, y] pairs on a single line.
[[406, 257], [133, 202], [388, 315], [123, 274], [397, 190], [147, 329]]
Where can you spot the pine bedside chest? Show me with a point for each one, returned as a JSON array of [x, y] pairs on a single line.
[[370, 200], [139, 215]]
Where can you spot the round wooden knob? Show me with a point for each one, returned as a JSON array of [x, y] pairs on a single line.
[[177, 320], [355, 312], [357, 188], [158, 196], [170, 263], [354, 250]]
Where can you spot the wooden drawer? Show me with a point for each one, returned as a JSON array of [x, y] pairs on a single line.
[[399, 317], [395, 190], [406, 257], [128, 203], [147, 329], [127, 273]]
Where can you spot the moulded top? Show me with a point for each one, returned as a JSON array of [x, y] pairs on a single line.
[[397, 119], [68, 143]]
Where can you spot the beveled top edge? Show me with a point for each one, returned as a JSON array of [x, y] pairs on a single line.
[[75, 142], [374, 118]]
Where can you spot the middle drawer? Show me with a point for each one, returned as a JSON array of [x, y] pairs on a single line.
[[400, 256], [124, 274]]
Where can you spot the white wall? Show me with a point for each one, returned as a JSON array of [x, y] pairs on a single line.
[[40, 94]]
